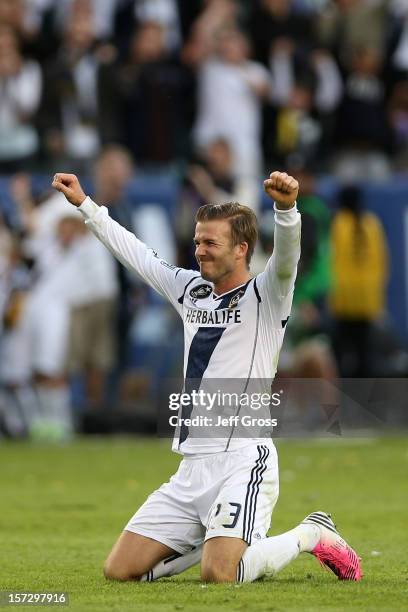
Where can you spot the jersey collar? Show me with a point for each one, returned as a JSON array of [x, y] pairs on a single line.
[[231, 291]]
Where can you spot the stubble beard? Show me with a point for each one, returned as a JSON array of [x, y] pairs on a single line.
[[217, 275]]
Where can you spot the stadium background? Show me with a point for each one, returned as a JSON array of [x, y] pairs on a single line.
[[155, 106], [160, 106]]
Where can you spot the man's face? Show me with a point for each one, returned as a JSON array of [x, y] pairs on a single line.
[[214, 252]]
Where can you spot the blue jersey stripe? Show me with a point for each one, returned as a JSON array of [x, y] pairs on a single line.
[[201, 349], [258, 297]]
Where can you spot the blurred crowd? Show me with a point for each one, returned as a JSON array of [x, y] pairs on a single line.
[[322, 78], [213, 92]]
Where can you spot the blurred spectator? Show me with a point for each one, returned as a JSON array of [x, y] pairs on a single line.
[[20, 91], [273, 20], [189, 11], [360, 274], [130, 14], [398, 117], [141, 101], [231, 88], [216, 15], [75, 274], [92, 346], [46, 22], [69, 111], [399, 54], [307, 351], [6, 239], [144, 322], [44, 332], [113, 171], [297, 129], [39, 221], [313, 282], [13, 15], [68, 322], [362, 126], [18, 402], [101, 14], [164, 12], [211, 179], [344, 26], [216, 181], [22, 203], [305, 92]]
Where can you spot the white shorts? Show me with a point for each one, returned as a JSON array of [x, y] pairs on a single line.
[[47, 323], [226, 494], [15, 366]]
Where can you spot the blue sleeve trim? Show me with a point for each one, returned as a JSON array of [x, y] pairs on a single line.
[[258, 297]]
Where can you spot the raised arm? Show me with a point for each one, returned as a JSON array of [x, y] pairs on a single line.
[[165, 278], [277, 281]]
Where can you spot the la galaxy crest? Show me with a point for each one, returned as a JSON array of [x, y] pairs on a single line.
[[235, 299], [201, 292]]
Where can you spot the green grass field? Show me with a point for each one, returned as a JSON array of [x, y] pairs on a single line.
[[63, 507]]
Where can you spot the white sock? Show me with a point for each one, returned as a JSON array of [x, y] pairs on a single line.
[[175, 564], [308, 536], [12, 415], [269, 556], [55, 406], [28, 401]]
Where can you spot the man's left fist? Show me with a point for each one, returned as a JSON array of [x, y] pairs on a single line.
[[283, 189]]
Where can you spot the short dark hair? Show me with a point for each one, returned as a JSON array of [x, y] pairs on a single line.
[[243, 222]]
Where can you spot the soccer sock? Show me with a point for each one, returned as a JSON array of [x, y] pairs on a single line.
[[13, 419], [28, 402], [55, 407], [308, 536], [269, 556], [173, 565]]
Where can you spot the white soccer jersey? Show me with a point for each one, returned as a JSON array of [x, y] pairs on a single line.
[[236, 336]]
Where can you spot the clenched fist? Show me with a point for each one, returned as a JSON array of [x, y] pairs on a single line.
[[282, 188], [69, 185]]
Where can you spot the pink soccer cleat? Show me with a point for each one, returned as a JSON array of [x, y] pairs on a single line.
[[332, 551]]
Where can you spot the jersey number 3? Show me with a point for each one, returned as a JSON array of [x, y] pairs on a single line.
[[236, 510]]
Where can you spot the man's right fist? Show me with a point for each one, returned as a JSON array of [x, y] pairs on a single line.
[[282, 188], [69, 185]]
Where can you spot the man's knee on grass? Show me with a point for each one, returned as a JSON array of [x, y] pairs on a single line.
[[114, 571], [220, 559], [218, 573]]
